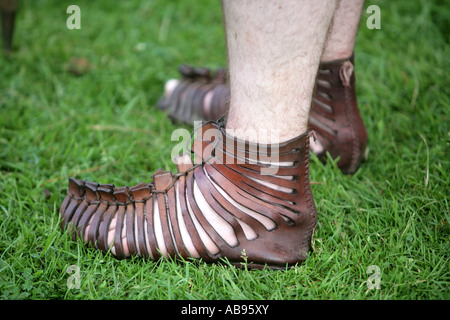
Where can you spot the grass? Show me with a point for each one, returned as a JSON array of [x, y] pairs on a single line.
[[103, 126]]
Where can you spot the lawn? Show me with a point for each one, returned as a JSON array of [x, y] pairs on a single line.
[[82, 103]]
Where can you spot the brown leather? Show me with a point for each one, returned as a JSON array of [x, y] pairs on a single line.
[[335, 116], [228, 164], [186, 103], [334, 112]]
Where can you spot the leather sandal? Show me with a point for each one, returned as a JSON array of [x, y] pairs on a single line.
[[186, 103], [334, 112], [222, 208]]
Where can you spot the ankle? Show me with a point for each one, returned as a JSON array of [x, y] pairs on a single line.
[[265, 125], [334, 55]]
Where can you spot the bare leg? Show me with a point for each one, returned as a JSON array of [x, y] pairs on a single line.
[[339, 43], [274, 50], [341, 38]]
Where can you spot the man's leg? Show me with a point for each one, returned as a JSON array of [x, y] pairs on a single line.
[[274, 50], [341, 38], [339, 43]]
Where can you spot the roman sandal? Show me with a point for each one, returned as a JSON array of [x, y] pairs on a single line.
[[240, 201], [202, 95]]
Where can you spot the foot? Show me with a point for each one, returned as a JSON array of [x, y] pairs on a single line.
[[340, 131], [224, 207]]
